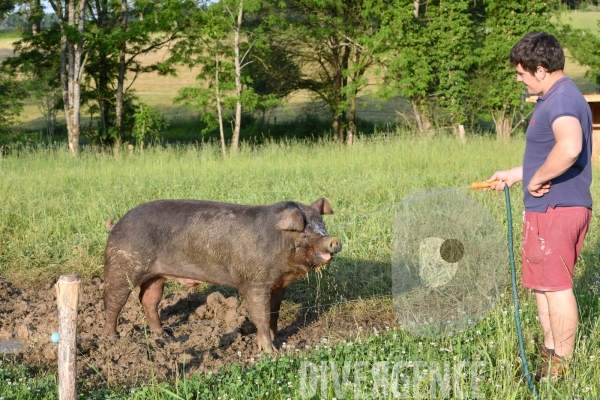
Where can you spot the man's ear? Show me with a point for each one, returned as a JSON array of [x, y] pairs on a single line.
[[291, 220], [322, 206], [540, 72]]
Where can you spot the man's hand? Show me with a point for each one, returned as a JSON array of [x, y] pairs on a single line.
[[538, 189], [506, 177]]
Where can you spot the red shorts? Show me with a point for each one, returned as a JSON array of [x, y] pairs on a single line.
[[551, 244]]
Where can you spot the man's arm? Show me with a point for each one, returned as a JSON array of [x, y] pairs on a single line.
[[569, 143]]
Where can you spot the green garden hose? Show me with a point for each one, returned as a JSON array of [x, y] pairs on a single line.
[[513, 274]]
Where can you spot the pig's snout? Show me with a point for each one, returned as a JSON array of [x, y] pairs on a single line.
[[333, 245], [328, 246]]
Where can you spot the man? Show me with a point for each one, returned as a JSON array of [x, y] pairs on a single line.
[[556, 175]]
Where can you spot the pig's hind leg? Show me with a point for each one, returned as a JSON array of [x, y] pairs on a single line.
[[276, 299], [151, 292], [115, 297]]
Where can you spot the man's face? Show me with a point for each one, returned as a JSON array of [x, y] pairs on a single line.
[[533, 82]]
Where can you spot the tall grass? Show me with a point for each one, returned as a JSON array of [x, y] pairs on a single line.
[[53, 207]]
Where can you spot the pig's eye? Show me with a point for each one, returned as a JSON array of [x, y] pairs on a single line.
[[318, 227]]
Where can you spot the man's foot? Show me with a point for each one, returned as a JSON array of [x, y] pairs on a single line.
[[546, 353], [553, 367]]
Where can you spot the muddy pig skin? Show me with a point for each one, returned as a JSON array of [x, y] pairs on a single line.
[[259, 250]]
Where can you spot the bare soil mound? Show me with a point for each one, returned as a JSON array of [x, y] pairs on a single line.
[[205, 332]]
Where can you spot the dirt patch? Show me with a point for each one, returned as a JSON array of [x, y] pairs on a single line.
[[205, 332]]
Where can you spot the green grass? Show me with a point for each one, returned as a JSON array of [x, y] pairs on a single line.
[[53, 207]]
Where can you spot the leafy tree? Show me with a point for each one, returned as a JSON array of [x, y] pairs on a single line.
[[37, 59], [99, 73], [12, 93], [122, 33], [272, 75], [334, 43], [584, 47], [147, 123], [219, 44], [496, 87], [6, 6], [430, 59], [72, 59]]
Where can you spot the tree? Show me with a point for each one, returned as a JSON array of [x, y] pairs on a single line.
[[105, 71], [36, 61], [122, 33], [35, 16], [6, 6], [72, 59], [218, 43], [584, 47], [273, 75], [506, 22], [12, 93], [430, 59], [203, 47], [334, 43]]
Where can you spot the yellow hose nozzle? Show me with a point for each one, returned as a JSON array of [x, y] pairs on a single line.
[[483, 185]]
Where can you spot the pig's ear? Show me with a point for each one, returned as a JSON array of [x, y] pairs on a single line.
[[291, 220], [322, 206]]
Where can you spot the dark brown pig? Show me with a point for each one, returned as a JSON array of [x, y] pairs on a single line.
[[259, 250]]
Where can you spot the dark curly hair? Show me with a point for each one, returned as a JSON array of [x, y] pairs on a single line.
[[538, 49]]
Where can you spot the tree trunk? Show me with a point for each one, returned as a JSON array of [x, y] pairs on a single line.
[[121, 77], [103, 80], [102, 91], [416, 8], [35, 17], [417, 116], [218, 98], [351, 121], [338, 126], [420, 111], [503, 127], [503, 123], [71, 64], [238, 81]]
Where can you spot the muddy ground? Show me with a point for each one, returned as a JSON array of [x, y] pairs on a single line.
[[207, 331]]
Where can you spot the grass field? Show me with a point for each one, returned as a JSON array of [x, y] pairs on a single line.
[[53, 207]]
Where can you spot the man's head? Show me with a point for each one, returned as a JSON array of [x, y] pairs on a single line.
[[538, 49]]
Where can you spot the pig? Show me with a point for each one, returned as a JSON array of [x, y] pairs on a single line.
[[258, 249]]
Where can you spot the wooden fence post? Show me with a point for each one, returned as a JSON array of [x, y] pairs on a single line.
[[67, 297], [461, 132]]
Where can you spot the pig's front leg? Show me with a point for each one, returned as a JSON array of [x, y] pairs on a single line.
[[276, 299], [259, 310]]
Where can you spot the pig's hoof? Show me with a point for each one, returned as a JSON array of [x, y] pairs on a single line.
[[268, 348]]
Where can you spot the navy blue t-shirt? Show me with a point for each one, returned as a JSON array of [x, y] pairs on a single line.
[[573, 187]]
